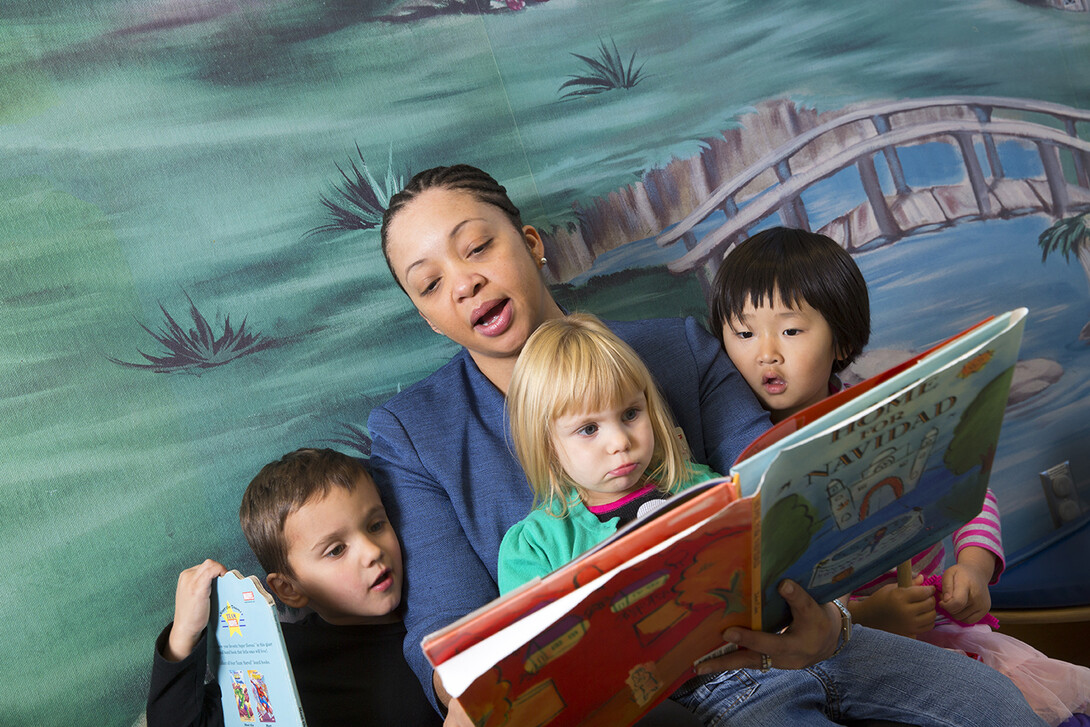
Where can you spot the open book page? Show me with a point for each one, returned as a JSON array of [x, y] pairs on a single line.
[[695, 505], [459, 672], [603, 639], [899, 470], [247, 655]]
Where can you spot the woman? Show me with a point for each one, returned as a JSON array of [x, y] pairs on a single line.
[[456, 245]]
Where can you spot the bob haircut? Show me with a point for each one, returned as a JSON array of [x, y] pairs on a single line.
[[461, 177], [575, 364], [281, 488], [800, 267]]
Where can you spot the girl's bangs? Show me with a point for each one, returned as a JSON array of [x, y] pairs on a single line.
[[593, 385]]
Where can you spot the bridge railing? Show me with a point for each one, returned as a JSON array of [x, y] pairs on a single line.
[[785, 196]]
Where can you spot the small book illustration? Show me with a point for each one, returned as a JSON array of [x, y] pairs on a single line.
[[830, 498], [248, 656]]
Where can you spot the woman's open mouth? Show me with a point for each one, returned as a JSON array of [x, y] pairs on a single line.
[[492, 318]]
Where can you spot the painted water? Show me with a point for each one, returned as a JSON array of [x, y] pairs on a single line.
[[985, 268], [142, 161]]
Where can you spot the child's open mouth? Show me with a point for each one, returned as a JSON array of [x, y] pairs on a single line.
[[773, 384], [492, 318], [383, 582]]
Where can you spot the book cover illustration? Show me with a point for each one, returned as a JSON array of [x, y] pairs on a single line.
[[852, 497], [636, 625], [887, 469], [248, 656]]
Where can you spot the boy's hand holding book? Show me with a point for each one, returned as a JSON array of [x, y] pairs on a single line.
[[191, 608]]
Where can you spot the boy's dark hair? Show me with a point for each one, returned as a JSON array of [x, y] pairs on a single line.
[[459, 176], [800, 266], [281, 488]]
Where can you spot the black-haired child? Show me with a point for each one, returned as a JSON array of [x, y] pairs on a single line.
[[792, 311]]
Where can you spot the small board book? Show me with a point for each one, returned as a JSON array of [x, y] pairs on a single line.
[[831, 498], [248, 656]]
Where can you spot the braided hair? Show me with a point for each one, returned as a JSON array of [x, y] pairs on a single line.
[[457, 177]]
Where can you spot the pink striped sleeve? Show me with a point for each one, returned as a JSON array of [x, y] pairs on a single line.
[[984, 531]]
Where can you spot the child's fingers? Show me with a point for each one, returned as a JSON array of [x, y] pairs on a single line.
[[916, 594], [975, 609], [191, 607]]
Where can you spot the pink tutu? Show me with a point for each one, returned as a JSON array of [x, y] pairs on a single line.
[[1055, 689]]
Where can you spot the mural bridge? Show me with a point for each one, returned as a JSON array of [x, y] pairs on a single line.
[[886, 218]]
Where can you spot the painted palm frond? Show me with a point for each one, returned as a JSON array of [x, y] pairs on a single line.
[[360, 200], [198, 347], [604, 73], [355, 437], [1066, 236]]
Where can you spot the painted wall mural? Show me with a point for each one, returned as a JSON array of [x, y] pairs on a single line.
[[191, 281]]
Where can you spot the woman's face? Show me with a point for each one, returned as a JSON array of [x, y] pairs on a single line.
[[472, 275]]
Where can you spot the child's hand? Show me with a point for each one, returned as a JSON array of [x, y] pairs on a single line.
[[191, 606], [965, 593], [905, 611]]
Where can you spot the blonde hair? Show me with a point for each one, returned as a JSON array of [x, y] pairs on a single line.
[[575, 364]]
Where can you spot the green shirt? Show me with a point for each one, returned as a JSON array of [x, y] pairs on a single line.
[[544, 541]]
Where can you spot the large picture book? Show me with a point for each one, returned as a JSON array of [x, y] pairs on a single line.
[[831, 498], [247, 655]]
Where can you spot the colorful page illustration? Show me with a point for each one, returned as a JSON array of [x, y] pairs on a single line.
[[607, 652], [247, 654]]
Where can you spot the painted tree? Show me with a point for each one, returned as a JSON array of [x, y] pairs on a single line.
[[1069, 236], [794, 520]]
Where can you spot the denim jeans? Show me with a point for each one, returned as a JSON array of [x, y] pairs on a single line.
[[876, 676]]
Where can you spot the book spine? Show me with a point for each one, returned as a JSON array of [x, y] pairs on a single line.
[[755, 570]]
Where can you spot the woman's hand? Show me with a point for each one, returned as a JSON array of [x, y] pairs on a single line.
[[811, 637], [456, 716]]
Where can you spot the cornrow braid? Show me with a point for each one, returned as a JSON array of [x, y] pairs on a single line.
[[457, 177]]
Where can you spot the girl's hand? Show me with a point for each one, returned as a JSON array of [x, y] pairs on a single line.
[[905, 611], [811, 637], [965, 593], [192, 603]]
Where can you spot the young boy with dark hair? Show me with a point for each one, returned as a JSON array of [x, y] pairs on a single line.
[[317, 526]]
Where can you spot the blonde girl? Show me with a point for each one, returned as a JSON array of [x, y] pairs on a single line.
[[596, 441]]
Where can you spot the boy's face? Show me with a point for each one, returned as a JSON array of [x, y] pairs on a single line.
[[606, 452], [786, 355], [345, 555]]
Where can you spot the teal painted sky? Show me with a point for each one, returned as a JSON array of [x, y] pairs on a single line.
[[151, 148]]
